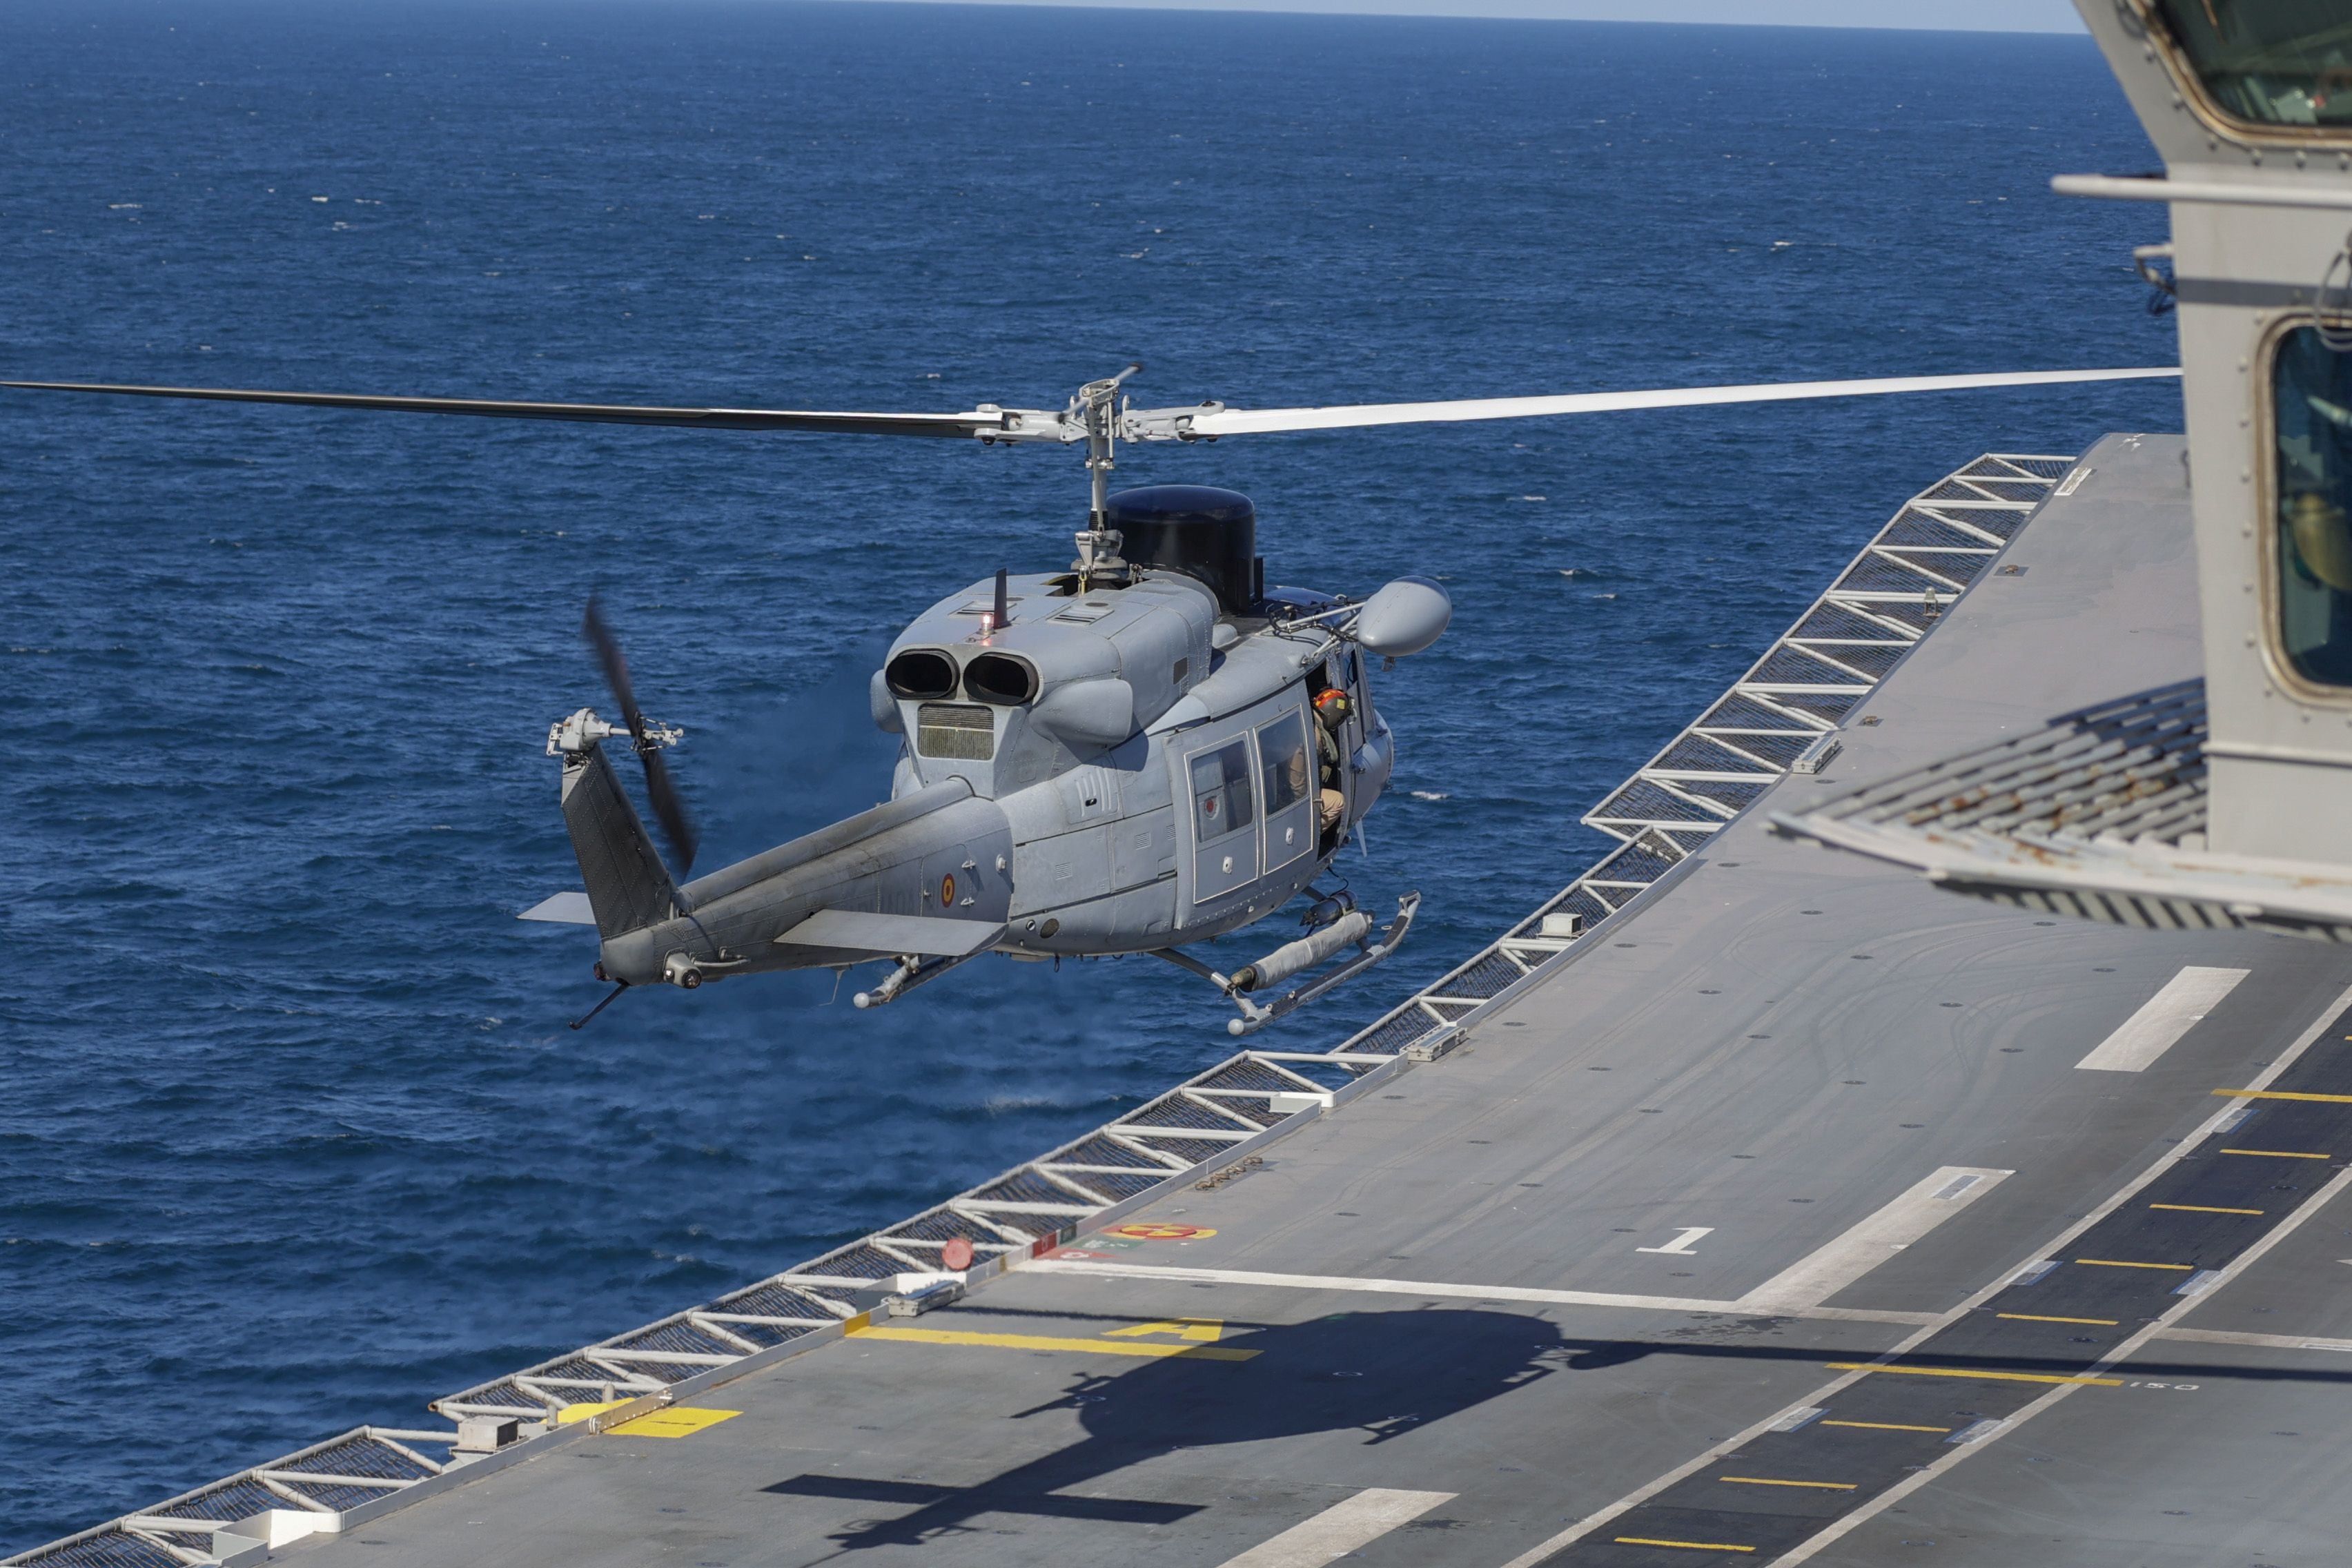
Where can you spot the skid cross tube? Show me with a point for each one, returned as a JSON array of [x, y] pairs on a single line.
[[1255, 1018]]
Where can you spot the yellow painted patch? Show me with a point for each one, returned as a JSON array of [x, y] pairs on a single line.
[[1208, 1330], [1817, 1485], [575, 1413], [1052, 1342], [2278, 1154], [1691, 1545], [2038, 1318], [2121, 1263], [1887, 1426], [1965, 1372], [2281, 1094], [677, 1421], [1162, 1232], [2200, 1208]]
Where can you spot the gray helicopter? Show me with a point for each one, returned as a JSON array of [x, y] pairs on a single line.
[[1148, 749]]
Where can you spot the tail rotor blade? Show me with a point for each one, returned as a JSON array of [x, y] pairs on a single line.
[[616, 667], [669, 809]]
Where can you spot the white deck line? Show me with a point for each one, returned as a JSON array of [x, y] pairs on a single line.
[[1340, 1529], [1456, 1292], [1924, 1205], [2264, 1342], [2162, 1020]]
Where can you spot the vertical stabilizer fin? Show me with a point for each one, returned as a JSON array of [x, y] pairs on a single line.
[[629, 886]]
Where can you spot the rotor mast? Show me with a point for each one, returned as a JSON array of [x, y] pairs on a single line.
[[1096, 409]]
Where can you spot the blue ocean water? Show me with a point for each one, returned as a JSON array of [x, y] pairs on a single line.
[[293, 1136]]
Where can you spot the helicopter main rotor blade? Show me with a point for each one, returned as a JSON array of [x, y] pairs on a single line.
[[985, 421], [1180, 423], [669, 809]]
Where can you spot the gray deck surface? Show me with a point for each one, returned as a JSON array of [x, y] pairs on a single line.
[[1776, 1045]]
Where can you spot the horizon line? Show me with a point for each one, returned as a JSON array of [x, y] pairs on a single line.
[[1549, 11]]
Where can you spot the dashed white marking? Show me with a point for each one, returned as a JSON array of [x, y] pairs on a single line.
[[1926, 1204], [2162, 1019], [1339, 1528]]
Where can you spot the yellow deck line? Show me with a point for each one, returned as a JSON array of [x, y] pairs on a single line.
[[2281, 1094], [1817, 1486], [2200, 1208], [2120, 1263], [1693, 1545], [1049, 1343], [1964, 1372], [2278, 1153], [1887, 1426], [2038, 1318]]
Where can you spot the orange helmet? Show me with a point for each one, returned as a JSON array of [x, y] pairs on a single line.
[[1331, 707]]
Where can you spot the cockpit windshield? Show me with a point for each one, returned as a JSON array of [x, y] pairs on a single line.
[[2267, 62], [2312, 418]]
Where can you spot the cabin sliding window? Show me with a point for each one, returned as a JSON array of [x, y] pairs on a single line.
[[1220, 792], [1282, 748], [2311, 388], [959, 732], [2266, 62]]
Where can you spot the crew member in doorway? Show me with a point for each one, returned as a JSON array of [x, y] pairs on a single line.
[[1331, 708]]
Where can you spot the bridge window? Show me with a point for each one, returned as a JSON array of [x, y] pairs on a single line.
[[960, 732], [2265, 62], [2312, 391]]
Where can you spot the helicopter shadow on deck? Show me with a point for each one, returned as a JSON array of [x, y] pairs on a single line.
[[1384, 1374]]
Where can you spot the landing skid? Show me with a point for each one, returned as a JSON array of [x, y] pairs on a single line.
[[1285, 962]]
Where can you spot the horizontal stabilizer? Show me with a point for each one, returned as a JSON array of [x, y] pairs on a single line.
[[563, 909], [928, 935]]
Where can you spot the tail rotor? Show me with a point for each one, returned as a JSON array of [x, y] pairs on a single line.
[[669, 810]]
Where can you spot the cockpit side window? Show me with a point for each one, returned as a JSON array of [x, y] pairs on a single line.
[[2265, 62], [1222, 802], [2310, 390]]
